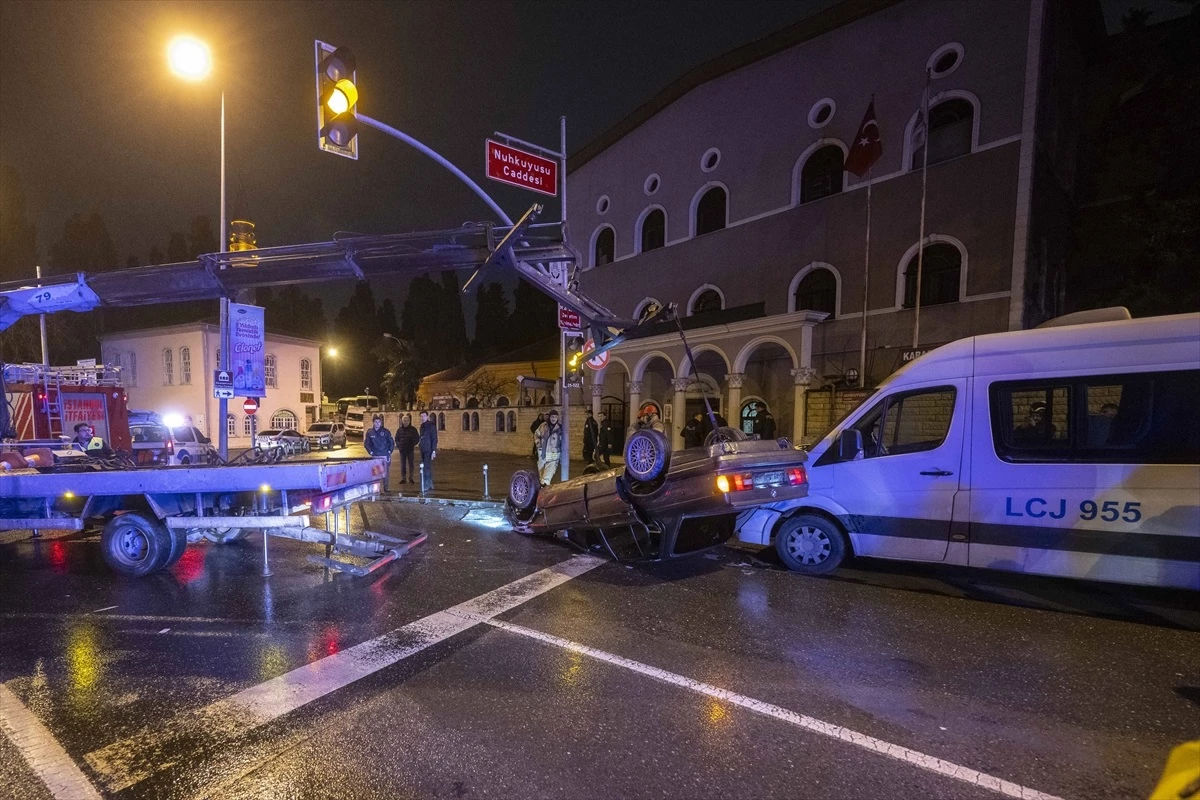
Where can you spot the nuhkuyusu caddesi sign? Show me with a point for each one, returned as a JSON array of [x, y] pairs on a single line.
[[519, 168]]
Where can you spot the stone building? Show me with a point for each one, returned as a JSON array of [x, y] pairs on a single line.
[[725, 194]]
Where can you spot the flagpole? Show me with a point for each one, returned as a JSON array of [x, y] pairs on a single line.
[[862, 348], [921, 237]]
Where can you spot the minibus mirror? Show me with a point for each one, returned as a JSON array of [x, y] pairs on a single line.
[[849, 444]]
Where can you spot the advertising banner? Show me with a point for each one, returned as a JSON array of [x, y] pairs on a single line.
[[246, 346]]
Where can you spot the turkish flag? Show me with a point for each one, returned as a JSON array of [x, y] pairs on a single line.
[[867, 147]]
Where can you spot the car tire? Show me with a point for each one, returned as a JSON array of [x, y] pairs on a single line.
[[134, 544], [811, 544], [724, 435], [523, 489], [185, 459], [647, 454]]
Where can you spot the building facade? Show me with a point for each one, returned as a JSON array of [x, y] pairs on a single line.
[[170, 371], [726, 196]]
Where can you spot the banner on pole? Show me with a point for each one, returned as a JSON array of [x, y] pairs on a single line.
[[247, 333]]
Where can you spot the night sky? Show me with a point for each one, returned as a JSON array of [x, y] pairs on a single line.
[[94, 121]]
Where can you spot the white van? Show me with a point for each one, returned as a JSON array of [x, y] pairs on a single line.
[[354, 422], [1072, 449]]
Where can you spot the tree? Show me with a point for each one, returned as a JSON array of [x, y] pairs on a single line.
[[18, 259], [177, 248], [483, 386], [132, 262], [403, 372], [357, 333], [202, 239], [156, 256], [453, 323], [491, 317], [534, 317], [419, 322], [292, 311], [85, 246]]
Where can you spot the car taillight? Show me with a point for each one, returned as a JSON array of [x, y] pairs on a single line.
[[735, 483], [323, 503], [170, 447], [796, 476]]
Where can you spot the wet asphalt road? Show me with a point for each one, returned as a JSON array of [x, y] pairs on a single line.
[[1076, 690]]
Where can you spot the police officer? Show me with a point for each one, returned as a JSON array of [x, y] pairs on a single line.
[[378, 442]]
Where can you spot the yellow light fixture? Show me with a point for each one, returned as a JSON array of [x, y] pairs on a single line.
[[189, 58], [265, 488], [342, 96], [332, 352]]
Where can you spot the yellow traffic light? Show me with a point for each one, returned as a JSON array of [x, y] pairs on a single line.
[[337, 96], [342, 96]]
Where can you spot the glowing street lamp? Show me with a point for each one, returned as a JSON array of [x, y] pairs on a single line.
[[189, 58]]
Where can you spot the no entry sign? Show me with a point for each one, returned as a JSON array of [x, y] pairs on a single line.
[[600, 361], [519, 168], [250, 406]]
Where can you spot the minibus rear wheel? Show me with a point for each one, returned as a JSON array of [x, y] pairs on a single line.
[[810, 543]]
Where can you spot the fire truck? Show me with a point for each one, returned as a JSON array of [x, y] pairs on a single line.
[[46, 403]]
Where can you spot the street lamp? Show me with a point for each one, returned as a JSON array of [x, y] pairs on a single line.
[[330, 353], [190, 59]]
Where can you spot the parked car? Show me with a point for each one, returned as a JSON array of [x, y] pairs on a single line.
[[322, 435], [661, 504], [287, 441], [152, 442], [354, 423], [191, 445]]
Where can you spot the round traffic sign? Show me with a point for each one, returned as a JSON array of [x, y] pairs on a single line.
[[600, 361], [250, 406]]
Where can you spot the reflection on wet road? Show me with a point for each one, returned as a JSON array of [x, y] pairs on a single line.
[[486, 664]]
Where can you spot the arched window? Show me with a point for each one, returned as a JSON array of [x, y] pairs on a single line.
[[441, 419], [499, 422], [941, 271], [466, 421], [248, 425], [231, 425], [168, 368], [474, 420], [269, 366], [822, 174], [305, 374], [817, 292], [472, 402], [708, 300], [283, 419], [512, 422], [654, 230], [185, 365], [950, 131], [606, 246], [648, 308], [502, 402], [710, 211]]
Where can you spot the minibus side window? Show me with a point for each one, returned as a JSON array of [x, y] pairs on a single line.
[[907, 423]]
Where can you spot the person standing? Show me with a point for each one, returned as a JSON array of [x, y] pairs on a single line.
[[428, 443], [549, 448], [379, 443], [591, 432], [691, 431], [764, 422], [406, 440], [537, 423], [604, 440]]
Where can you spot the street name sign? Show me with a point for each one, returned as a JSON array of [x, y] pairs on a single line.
[[521, 168], [222, 384], [568, 320], [250, 406]]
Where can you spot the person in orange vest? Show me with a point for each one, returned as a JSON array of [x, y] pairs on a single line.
[[91, 444]]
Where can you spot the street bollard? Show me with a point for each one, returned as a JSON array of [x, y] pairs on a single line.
[[266, 570], [422, 480], [486, 496]]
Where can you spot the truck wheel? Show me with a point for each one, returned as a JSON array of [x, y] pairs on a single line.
[[810, 544], [135, 545], [523, 489], [179, 543], [646, 455]]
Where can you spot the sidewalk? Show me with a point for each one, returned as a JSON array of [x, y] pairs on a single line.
[[458, 474]]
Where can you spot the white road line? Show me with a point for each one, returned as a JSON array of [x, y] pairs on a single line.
[[133, 759], [41, 751], [106, 608], [913, 757]]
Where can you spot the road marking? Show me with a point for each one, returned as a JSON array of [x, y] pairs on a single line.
[[131, 760], [106, 608], [41, 751], [913, 757]]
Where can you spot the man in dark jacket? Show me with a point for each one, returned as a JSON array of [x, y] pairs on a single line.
[[604, 441], [406, 440], [691, 431], [591, 432], [764, 422], [429, 444], [379, 443]]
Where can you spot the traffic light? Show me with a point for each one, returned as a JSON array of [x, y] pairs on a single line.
[[337, 98], [575, 360]]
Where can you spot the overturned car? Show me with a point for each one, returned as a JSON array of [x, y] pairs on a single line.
[[661, 504]]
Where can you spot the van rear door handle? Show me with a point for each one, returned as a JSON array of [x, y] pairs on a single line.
[[939, 473]]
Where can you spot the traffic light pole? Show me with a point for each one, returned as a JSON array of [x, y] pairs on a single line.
[[223, 361], [566, 281]]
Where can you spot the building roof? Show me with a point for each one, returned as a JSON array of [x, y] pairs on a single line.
[[543, 350], [808, 28], [201, 325]]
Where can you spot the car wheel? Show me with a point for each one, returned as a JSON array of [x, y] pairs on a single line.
[[135, 545], [725, 435], [646, 455], [185, 459], [523, 489], [810, 544]]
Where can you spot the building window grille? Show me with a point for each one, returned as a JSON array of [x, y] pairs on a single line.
[[710, 211], [185, 365], [606, 243], [283, 419], [248, 425], [950, 129], [231, 424], [441, 421], [822, 174], [940, 276], [654, 230], [499, 422], [466, 421], [709, 300], [168, 368], [305, 374], [474, 420], [132, 369], [272, 378], [817, 292], [512, 422]]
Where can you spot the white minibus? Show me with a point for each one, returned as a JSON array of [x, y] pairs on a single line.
[[1072, 449]]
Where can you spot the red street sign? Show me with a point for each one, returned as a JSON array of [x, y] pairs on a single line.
[[519, 168], [250, 406], [600, 361], [568, 320]]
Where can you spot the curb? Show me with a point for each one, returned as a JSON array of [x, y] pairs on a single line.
[[445, 501]]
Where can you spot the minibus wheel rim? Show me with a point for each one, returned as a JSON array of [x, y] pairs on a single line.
[[809, 545]]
